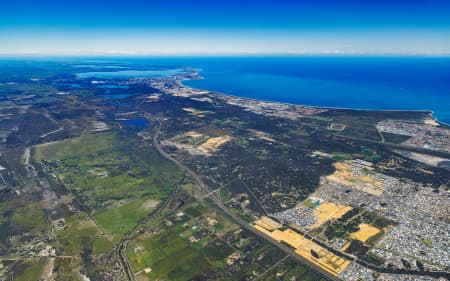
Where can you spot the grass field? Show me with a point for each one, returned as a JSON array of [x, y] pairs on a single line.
[[188, 239], [80, 234], [291, 270], [30, 270], [65, 270], [19, 219], [73, 148], [119, 220], [113, 176], [30, 216], [308, 203]]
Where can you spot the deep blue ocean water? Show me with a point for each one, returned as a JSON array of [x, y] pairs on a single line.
[[412, 83]]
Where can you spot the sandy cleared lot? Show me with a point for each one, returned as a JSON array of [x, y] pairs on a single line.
[[268, 223], [196, 112], [327, 211], [150, 204], [366, 183], [304, 247], [262, 135], [430, 160], [365, 232], [212, 144], [193, 134], [430, 121], [196, 143]]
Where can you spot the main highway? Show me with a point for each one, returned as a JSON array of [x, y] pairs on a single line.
[[212, 198]]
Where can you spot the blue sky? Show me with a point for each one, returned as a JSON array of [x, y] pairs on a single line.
[[225, 27]]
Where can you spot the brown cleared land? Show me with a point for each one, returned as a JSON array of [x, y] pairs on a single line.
[[196, 112], [212, 144], [365, 232], [304, 247], [327, 211], [344, 175]]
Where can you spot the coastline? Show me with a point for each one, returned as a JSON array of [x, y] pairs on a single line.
[[429, 112]]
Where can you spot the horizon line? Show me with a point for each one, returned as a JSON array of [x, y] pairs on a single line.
[[287, 54]]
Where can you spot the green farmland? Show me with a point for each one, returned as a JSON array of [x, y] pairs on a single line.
[[119, 181]]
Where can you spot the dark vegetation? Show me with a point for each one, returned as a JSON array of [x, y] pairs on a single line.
[[84, 176]]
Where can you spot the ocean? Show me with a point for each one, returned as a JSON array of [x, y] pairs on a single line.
[[394, 83]]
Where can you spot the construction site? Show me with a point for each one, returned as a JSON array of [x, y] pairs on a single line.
[[196, 143], [358, 176], [304, 247]]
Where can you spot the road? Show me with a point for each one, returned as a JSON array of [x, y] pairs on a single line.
[[216, 202], [395, 145], [121, 247], [209, 194]]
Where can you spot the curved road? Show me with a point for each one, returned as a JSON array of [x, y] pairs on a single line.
[[205, 190], [208, 193]]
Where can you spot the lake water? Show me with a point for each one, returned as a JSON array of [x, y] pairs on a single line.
[[113, 87], [127, 74], [140, 123]]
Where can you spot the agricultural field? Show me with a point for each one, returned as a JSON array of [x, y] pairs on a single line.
[[147, 179], [290, 270], [197, 234], [77, 234], [190, 236], [116, 179], [30, 270], [21, 222]]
